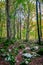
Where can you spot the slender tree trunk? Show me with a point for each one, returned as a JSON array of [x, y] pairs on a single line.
[[20, 27], [27, 33], [40, 19], [37, 21], [8, 20], [18, 30], [0, 22], [14, 26]]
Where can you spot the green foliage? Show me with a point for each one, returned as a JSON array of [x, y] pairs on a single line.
[[2, 40], [41, 43], [40, 52], [21, 46], [7, 43], [25, 51], [32, 49], [2, 50], [23, 63], [10, 58], [16, 51]]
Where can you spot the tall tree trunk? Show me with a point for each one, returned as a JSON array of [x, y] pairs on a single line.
[[14, 26], [27, 33], [8, 20], [20, 27], [18, 30], [40, 19], [1, 23], [37, 21]]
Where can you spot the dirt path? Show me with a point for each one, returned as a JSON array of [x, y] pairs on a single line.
[[37, 61]]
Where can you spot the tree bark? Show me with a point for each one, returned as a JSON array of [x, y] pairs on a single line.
[[18, 30], [37, 21], [27, 33], [20, 27], [40, 19], [8, 20], [14, 26]]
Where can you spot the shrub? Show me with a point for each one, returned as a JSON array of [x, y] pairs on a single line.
[[10, 58], [40, 52], [7, 43], [25, 51], [23, 63], [16, 51], [21, 46]]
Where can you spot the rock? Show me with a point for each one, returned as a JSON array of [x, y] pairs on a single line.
[[9, 50], [26, 62], [28, 55], [27, 48], [36, 47], [34, 54]]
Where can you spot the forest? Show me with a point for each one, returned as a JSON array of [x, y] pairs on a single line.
[[21, 32]]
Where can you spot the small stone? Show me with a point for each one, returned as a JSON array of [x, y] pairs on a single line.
[[26, 62], [9, 50], [27, 48]]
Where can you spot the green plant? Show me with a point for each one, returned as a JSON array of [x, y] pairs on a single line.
[[40, 52], [23, 63], [7, 43], [16, 51], [32, 49], [25, 51], [2, 50], [41, 43], [1, 40], [10, 58], [21, 46]]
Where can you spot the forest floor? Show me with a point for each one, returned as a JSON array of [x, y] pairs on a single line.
[[38, 60]]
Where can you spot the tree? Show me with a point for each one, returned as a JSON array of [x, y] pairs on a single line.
[[0, 24], [30, 6], [27, 33], [8, 20], [37, 21], [18, 25], [40, 18]]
